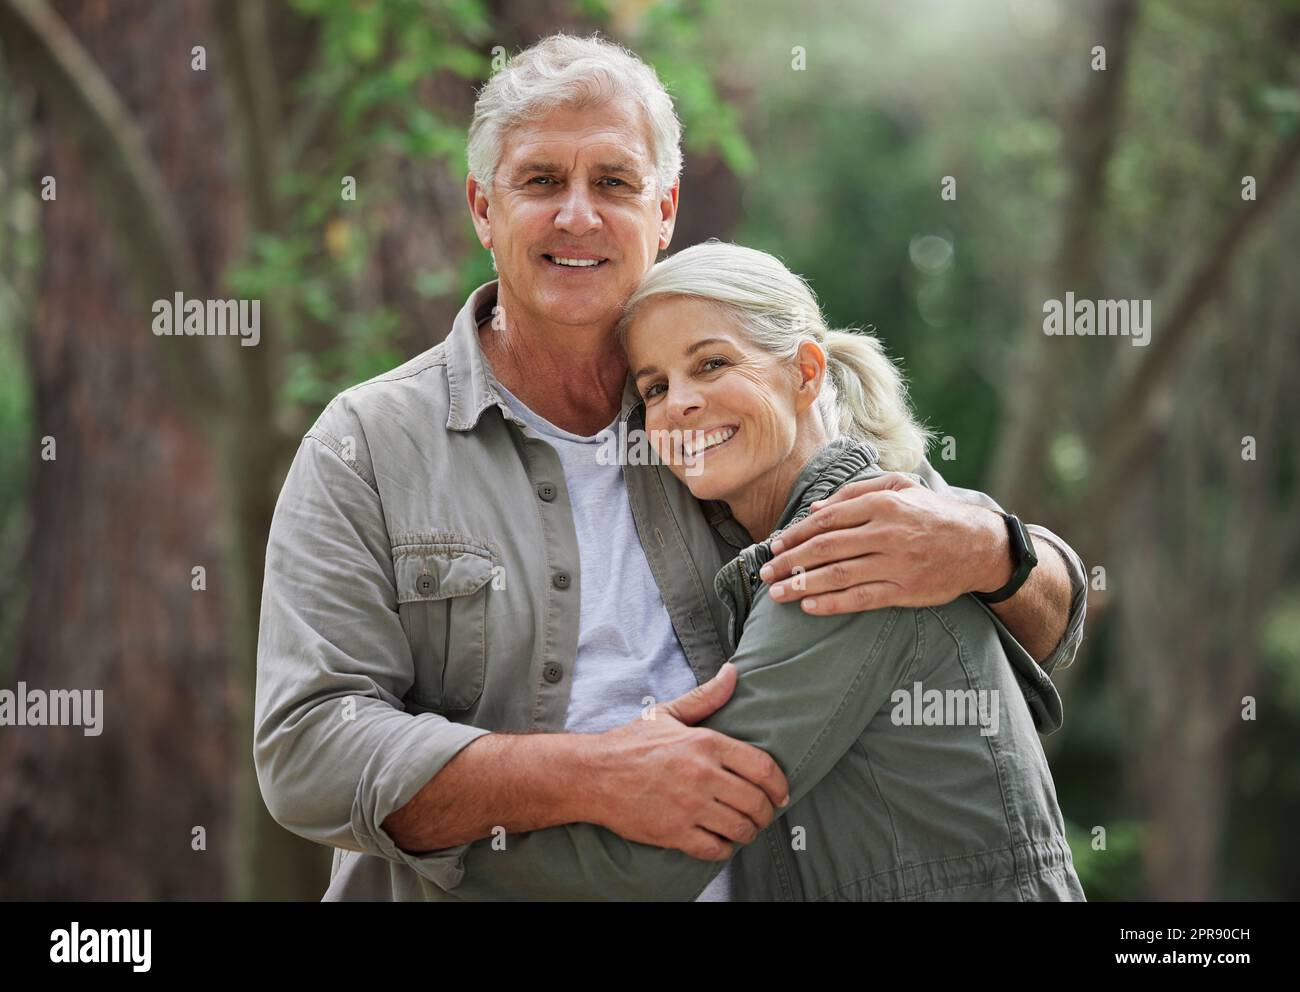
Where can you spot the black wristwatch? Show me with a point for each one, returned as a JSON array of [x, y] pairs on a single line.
[[1022, 553]]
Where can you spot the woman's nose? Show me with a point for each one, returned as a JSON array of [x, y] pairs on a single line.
[[684, 404]]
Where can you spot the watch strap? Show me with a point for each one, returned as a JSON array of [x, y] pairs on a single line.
[[1022, 553]]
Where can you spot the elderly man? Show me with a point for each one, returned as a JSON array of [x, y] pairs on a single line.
[[468, 614]]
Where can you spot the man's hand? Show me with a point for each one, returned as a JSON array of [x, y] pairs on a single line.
[[888, 541], [664, 782]]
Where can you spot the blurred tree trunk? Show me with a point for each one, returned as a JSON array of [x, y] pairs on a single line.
[[147, 206], [1091, 128], [1186, 679], [119, 520]]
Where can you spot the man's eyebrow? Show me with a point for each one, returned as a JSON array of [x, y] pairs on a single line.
[[618, 169], [651, 370], [529, 167]]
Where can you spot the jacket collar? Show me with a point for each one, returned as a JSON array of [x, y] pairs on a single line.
[[840, 461], [470, 384]]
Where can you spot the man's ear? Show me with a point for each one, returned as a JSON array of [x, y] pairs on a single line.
[[811, 362], [668, 215], [479, 210]]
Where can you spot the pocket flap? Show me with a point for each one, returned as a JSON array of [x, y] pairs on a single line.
[[439, 572]]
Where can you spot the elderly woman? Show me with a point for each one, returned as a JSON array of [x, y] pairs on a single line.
[[909, 736]]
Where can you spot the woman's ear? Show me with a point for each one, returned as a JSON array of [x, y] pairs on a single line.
[[811, 362]]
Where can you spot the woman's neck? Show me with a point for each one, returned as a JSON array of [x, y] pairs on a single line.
[[758, 508]]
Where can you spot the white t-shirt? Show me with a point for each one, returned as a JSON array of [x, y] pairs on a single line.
[[627, 649]]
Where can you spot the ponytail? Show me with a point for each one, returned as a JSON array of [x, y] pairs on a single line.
[[869, 400]]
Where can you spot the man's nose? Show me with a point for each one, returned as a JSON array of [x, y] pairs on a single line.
[[578, 214]]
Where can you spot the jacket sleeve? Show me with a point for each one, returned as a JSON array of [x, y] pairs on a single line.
[[807, 688], [1063, 654], [334, 750]]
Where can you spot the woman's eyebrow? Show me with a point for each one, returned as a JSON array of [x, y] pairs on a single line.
[[704, 341], [651, 370]]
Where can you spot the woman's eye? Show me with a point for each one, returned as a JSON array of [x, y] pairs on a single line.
[[710, 366], [650, 393]]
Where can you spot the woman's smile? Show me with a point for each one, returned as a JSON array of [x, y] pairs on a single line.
[[700, 442]]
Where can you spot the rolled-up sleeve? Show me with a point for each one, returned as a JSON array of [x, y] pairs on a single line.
[[1062, 656], [334, 750]]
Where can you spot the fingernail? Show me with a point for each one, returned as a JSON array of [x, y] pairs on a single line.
[[778, 546], [810, 604], [778, 590], [766, 571], [784, 802]]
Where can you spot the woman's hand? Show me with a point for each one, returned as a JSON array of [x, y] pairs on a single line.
[[888, 541]]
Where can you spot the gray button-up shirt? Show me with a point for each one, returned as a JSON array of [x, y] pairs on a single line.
[[422, 588]]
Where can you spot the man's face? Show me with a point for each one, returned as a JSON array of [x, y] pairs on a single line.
[[575, 186]]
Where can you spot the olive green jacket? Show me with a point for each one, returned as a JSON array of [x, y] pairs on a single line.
[[422, 589]]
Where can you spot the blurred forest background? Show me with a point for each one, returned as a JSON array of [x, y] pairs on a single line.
[[1171, 468]]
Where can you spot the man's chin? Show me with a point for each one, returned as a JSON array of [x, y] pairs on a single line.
[[577, 309]]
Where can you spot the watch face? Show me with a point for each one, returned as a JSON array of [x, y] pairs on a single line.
[[1025, 552]]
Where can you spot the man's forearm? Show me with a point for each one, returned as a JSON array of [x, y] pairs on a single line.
[[519, 782], [1039, 613]]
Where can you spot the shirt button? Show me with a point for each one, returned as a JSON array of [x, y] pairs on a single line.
[[552, 672], [546, 491], [424, 585], [561, 580]]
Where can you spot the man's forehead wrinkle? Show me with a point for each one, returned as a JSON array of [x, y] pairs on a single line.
[[599, 141]]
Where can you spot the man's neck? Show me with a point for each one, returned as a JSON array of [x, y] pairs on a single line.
[[573, 377]]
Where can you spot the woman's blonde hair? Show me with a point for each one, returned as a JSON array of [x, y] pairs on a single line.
[[863, 395]]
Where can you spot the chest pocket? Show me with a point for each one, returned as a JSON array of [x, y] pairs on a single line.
[[442, 594]]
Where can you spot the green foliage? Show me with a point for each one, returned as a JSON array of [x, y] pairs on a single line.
[[670, 38], [369, 90]]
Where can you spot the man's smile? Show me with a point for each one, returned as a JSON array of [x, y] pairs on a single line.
[[575, 261]]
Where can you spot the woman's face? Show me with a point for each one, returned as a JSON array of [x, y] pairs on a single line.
[[721, 413]]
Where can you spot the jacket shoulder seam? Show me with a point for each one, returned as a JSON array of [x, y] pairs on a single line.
[[332, 444]]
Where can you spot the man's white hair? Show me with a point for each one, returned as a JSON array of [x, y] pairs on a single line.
[[568, 71]]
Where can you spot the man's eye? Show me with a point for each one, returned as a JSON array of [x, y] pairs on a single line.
[[611, 179], [541, 179]]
